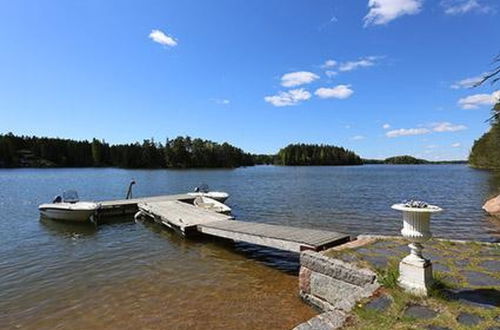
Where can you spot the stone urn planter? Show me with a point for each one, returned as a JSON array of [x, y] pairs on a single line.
[[415, 272]]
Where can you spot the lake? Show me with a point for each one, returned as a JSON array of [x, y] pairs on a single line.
[[139, 275]]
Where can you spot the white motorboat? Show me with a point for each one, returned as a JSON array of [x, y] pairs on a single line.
[[205, 192], [69, 208], [211, 204]]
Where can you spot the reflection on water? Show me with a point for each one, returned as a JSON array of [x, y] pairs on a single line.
[[128, 275]]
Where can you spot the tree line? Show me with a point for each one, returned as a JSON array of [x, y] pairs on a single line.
[[181, 152], [485, 152], [314, 154]]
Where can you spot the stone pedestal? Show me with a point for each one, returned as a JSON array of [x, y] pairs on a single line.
[[415, 275]]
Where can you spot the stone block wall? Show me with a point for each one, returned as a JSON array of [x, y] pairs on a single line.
[[333, 286]]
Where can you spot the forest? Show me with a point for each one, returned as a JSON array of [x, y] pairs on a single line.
[[181, 152], [485, 152], [313, 154]]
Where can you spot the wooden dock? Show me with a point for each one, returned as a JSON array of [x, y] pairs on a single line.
[[122, 207], [189, 220]]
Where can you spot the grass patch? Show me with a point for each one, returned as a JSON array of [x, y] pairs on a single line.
[[388, 277]]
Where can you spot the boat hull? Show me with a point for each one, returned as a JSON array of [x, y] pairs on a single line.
[[218, 196], [70, 212]]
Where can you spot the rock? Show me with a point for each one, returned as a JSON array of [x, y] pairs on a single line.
[[379, 304], [492, 206], [436, 327], [480, 279], [440, 267], [491, 265], [420, 312], [377, 261], [469, 319], [324, 321], [484, 298]]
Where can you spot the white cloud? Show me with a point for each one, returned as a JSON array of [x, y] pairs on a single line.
[[292, 97], [467, 82], [447, 127], [459, 7], [163, 39], [407, 132], [358, 137], [221, 101], [384, 11], [477, 100], [298, 78], [361, 63], [337, 92], [329, 64], [456, 145], [330, 73], [386, 126]]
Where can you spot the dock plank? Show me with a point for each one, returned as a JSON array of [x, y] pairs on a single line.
[[181, 215], [281, 237]]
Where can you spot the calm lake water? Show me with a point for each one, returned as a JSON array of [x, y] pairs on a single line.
[[128, 275]]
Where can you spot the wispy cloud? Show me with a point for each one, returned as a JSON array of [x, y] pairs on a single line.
[[221, 101], [447, 127], [384, 11], [386, 126], [358, 137], [329, 64], [292, 97], [456, 145], [459, 7], [162, 38], [440, 127], [331, 73], [477, 100], [467, 82], [361, 63], [407, 132], [293, 79], [337, 92]]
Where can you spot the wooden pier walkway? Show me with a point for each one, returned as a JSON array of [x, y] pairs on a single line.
[[189, 220], [130, 206]]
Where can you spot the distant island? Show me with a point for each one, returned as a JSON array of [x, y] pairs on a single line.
[[410, 160], [181, 152]]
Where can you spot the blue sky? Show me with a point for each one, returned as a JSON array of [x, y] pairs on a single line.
[[381, 77]]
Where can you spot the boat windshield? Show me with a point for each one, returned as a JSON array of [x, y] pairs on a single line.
[[70, 196], [203, 188]]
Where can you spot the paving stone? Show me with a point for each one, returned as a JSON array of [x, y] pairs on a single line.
[[469, 319], [433, 254], [440, 267], [452, 280], [420, 312], [386, 252], [365, 250], [383, 244], [377, 261], [437, 327], [485, 298], [461, 263], [481, 279], [379, 304], [347, 257], [489, 252], [491, 265]]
